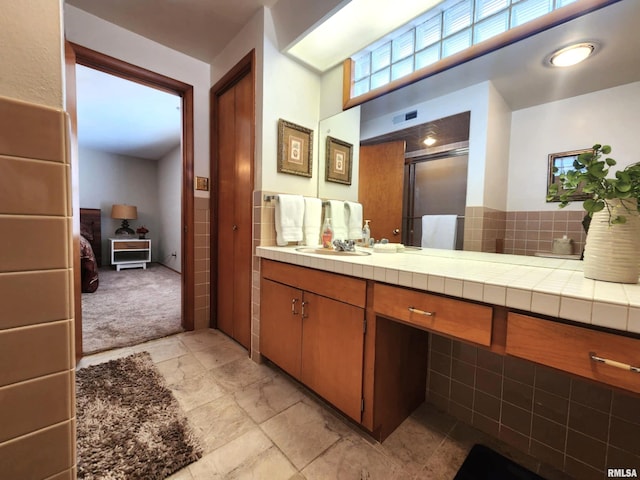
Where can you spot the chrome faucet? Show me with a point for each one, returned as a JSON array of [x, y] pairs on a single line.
[[344, 245]]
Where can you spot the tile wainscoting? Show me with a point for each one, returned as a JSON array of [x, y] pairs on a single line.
[[574, 425]]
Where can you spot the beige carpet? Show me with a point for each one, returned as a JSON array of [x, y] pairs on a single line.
[[130, 307], [129, 424]]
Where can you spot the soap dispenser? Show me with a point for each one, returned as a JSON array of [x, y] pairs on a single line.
[[327, 233], [366, 233]]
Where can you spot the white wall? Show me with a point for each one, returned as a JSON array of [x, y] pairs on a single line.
[[497, 154], [169, 238], [344, 126], [31, 48], [106, 179], [290, 92], [331, 92], [99, 35], [608, 116]]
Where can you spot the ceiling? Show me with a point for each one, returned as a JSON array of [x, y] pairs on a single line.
[[198, 28], [126, 118], [202, 28], [448, 130]]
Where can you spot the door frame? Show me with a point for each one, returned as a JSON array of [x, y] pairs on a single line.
[[105, 63], [246, 66]]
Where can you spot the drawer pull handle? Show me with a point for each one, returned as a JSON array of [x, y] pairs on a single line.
[[293, 306], [421, 312], [614, 363], [304, 304]]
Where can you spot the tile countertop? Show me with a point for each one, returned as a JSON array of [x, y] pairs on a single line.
[[547, 286]]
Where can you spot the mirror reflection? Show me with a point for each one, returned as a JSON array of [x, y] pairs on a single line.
[[520, 110]]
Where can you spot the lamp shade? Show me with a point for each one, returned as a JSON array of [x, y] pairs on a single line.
[[124, 212]]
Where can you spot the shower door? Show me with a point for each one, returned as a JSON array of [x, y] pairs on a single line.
[[435, 185]]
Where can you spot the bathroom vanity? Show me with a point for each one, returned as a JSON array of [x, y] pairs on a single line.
[[354, 329]]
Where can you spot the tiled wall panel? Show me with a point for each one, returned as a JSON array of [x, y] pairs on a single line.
[[39, 455], [32, 187], [19, 292], [33, 243], [37, 438], [45, 401], [202, 259], [574, 425]]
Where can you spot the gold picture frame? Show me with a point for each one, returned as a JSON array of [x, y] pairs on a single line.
[[562, 162], [339, 161], [295, 149]]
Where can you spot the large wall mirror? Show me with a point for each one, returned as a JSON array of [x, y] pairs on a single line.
[[520, 111]]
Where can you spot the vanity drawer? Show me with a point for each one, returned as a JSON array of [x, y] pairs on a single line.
[[456, 318], [131, 245], [569, 348]]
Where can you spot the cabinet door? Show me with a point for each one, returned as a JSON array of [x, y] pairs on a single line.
[[280, 325], [332, 352]]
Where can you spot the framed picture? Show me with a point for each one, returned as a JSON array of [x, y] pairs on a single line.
[[339, 161], [295, 149], [563, 161]]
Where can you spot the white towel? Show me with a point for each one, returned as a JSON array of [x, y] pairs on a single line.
[[335, 211], [353, 219], [312, 221], [439, 231], [289, 218]]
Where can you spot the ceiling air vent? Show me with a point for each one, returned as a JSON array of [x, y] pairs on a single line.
[[403, 117]]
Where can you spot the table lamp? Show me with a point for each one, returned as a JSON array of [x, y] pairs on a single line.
[[124, 213]]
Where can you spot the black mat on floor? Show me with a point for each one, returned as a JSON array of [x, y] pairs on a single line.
[[482, 463]]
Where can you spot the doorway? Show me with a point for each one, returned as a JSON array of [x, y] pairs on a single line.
[[232, 156], [78, 55]]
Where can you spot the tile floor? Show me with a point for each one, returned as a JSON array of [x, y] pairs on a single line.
[[257, 423]]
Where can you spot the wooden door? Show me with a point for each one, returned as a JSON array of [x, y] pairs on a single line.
[[380, 188], [233, 144], [332, 352], [281, 325]]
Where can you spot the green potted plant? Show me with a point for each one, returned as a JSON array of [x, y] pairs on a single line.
[[613, 239], [590, 175]]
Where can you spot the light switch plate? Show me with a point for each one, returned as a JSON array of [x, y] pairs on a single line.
[[202, 183]]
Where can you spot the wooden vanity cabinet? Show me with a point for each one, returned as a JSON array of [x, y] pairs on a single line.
[[570, 348], [313, 336], [456, 318]]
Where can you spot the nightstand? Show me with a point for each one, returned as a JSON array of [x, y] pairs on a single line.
[[130, 253]]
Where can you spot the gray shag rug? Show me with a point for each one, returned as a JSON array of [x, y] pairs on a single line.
[[129, 424], [131, 307]]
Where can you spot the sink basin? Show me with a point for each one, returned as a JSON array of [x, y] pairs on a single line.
[[328, 251]]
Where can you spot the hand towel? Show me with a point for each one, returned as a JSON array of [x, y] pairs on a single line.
[[335, 211], [289, 218], [439, 231], [353, 219], [312, 221]]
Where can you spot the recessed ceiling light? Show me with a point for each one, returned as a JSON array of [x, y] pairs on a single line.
[[571, 55], [429, 141]]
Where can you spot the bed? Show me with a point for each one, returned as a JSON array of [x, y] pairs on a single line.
[[90, 248]]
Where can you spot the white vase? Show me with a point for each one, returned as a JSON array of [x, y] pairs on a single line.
[[612, 252]]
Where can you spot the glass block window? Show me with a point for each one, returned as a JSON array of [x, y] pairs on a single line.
[[429, 32], [381, 57], [457, 17], [402, 69], [447, 29], [427, 56], [456, 43], [380, 78], [403, 46], [526, 10], [486, 8], [491, 27]]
